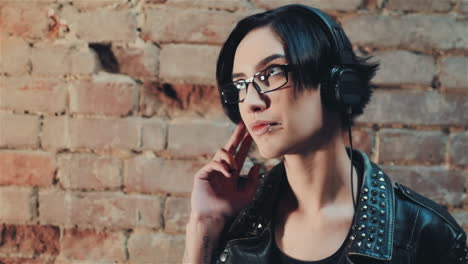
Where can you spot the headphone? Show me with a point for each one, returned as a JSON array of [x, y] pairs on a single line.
[[343, 86]]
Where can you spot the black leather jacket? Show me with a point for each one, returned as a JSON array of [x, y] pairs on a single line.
[[392, 224]]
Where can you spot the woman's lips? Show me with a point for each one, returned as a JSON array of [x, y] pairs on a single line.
[[261, 129]]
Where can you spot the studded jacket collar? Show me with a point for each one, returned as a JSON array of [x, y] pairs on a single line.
[[251, 233]]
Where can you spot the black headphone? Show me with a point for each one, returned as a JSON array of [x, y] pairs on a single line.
[[343, 86]]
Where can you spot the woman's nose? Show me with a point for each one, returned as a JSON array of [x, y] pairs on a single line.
[[254, 100]]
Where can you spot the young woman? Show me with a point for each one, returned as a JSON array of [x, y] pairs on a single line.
[[290, 80]]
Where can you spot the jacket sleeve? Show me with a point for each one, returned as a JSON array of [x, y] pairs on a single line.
[[457, 253]]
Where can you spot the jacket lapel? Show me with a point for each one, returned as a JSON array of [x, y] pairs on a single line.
[[374, 219], [373, 224]]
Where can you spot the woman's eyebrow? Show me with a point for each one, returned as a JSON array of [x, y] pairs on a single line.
[[261, 63]]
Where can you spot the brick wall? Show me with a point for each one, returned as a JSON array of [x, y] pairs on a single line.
[[97, 98]]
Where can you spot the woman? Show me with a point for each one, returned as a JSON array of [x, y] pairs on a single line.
[[290, 80]]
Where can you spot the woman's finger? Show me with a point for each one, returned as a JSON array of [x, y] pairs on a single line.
[[236, 138], [224, 156], [244, 150]]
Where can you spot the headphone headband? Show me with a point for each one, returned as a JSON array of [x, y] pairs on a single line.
[[335, 33]]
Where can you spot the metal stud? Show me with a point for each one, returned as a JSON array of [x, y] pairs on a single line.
[[382, 195], [379, 241], [372, 230], [362, 227], [374, 176], [368, 245], [371, 238], [380, 172], [224, 256], [364, 217], [364, 198], [373, 192], [259, 226], [382, 204], [366, 190], [352, 237], [374, 183], [373, 210], [359, 243], [373, 200], [381, 222], [381, 232], [381, 179], [373, 219], [382, 187], [382, 212], [363, 235], [377, 248], [364, 208]]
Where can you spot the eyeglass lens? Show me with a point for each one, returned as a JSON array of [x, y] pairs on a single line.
[[269, 79]]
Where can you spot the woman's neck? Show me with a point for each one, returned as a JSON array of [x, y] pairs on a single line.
[[319, 180]]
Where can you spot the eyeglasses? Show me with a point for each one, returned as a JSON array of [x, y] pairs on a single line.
[[268, 80]]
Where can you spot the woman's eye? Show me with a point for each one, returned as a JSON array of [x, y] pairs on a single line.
[[275, 70], [239, 85]]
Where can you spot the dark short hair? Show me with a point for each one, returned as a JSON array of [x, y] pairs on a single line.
[[308, 50]]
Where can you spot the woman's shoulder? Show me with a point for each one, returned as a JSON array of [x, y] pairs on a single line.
[[431, 210], [422, 222]]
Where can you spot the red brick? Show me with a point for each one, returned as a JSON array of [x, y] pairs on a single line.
[[176, 214], [115, 210], [464, 6], [12, 260], [53, 207], [103, 133], [338, 5], [153, 175], [416, 107], [421, 5], [403, 145], [101, 25], [197, 136], [91, 172], [18, 130], [96, 5], [188, 63], [362, 139], [24, 19], [442, 185], [421, 32], [403, 67], [26, 168], [168, 25], [179, 99], [29, 240], [16, 204], [231, 5], [462, 218], [154, 134], [54, 134], [33, 95], [458, 147], [60, 59], [106, 94], [15, 55], [94, 245], [151, 247], [455, 73], [140, 60]]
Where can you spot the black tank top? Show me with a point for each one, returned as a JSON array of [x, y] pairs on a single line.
[[281, 258]]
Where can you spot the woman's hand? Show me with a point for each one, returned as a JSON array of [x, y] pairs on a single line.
[[215, 193]]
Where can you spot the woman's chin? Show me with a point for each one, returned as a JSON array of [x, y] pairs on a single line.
[[269, 153]]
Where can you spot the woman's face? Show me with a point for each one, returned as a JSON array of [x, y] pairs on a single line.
[[300, 121]]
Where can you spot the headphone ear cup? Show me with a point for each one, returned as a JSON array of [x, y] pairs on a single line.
[[347, 87]]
